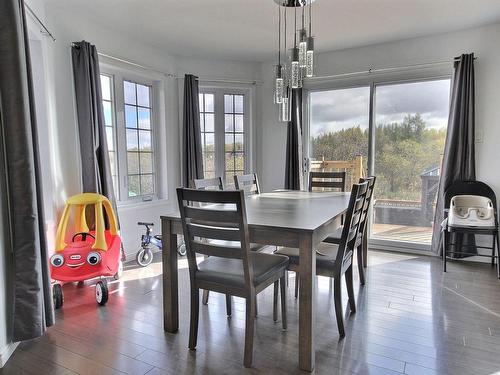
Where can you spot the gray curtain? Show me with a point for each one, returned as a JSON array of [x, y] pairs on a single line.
[[26, 246], [293, 158], [192, 158], [96, 168], [459, 153]]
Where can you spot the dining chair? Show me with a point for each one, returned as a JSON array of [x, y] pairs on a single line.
[[216, 184], [249, 183], [334, 260], [235, 270], [327, 180], [362, 240], [207, 183]]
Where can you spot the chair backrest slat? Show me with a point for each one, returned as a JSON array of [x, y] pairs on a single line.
[[369, 196], [352, 224], [208, 216], [249, 183], [209, 249], [327, 180], [213, 232], [207, 184]]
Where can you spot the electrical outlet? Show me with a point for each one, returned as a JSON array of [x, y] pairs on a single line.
[[479, 136]]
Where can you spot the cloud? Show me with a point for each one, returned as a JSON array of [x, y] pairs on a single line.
[[337, 109]]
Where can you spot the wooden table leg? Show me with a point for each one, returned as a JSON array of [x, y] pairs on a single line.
[[307, 317], [170, 278]]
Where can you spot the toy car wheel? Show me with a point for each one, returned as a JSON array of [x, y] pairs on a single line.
[[144, 257], [57, 295], [101, 292], [119, 272], [182, 249]]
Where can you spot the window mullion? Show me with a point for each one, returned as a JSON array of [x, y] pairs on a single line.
[[219, 134], [121, 147]]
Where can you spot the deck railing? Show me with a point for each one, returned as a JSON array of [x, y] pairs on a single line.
[[354, 168]]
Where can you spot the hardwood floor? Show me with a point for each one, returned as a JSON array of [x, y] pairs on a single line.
[[411, 319]]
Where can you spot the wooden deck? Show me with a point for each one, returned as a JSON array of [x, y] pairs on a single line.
[[402, 233]]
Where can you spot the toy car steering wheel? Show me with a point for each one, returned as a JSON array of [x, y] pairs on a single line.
[[84, 236]]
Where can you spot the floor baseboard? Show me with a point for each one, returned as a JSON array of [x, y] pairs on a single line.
[[6, 352]]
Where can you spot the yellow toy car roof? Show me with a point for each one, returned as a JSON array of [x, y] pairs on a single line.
[[86, 198]]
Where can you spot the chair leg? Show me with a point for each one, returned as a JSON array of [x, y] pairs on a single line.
[[228, 305], [444, 250], [350, 289], [205, 297], [296, 284], [249, 330], [337, 296], [275, 301], [255, 306], [283, 302], [498, 255], [193, 325], [365, 249], [361, 269], [493, 251]]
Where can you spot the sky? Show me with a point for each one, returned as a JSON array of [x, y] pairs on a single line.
[[340, 109]]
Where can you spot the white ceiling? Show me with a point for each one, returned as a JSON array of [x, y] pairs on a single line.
[[247, 30]]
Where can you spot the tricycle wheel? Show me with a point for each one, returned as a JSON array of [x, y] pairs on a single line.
[[101, 292], [119, 272], [144, 257], [182, 249], [57, 295]]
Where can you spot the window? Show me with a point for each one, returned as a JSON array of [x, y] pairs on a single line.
[[395, 131], [224, 133], [109, 121], [207, 122], [234, 151], [140, 174], [129, 124]]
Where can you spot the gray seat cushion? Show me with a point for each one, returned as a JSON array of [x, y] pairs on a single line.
[[230, 271], [326, 254], [335, 236], [236, 244]]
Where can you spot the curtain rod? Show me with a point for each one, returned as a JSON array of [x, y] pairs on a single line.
[[173, 76], [388, 69], [45, 30]]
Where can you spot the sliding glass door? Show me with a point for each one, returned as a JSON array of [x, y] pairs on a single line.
[[339, 121], [411, 120], [406, 124]]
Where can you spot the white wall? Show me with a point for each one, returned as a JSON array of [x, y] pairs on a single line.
[[483, 41], [67, 28]]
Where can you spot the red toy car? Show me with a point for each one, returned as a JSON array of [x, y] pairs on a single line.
[[85, 254]]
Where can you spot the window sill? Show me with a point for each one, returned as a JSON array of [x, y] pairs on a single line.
[[126, 205]]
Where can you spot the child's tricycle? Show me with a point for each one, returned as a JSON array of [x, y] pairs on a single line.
[[83, 254], [144, 256]]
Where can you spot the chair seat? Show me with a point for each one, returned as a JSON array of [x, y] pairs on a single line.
[[335, 236], [326, 254], [230, 271], [236, 244]]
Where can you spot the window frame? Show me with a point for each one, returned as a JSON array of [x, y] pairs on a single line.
[[372, 81], [119, 76], [219, 127]]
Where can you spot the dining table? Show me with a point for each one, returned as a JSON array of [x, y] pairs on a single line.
[[292, 218]]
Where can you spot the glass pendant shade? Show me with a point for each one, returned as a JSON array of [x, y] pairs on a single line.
[[302, 48], [279, 84], [310, 57], [295, 71], [285, 109], [279, 90]]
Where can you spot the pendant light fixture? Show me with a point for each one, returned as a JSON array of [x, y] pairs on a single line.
[[291, 69]]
